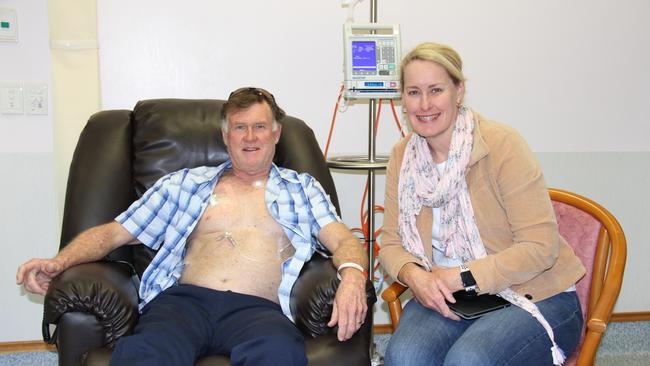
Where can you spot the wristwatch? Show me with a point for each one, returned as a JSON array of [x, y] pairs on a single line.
[[467, 279]]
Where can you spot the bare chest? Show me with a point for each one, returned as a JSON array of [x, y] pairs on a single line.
[[237, 245], [231, 208]]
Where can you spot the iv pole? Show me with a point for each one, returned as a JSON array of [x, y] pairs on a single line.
[[372, 111], [370, 163]]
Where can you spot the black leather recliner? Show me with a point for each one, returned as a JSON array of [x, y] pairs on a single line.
[[120, 154]]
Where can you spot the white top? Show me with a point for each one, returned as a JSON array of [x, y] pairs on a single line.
[[439, 257]]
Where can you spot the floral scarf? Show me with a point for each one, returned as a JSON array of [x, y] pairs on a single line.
[[420, 185]]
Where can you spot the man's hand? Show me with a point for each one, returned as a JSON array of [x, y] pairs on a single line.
[[350, 304], [430, 288], [89, 246], [36, 274]]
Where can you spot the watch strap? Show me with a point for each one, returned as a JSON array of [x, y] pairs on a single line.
[[467, 279]]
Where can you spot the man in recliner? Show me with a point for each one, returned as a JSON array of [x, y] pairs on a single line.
[[231, 242]]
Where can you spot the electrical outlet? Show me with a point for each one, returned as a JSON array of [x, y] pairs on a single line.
[[35, 97], [11, 98]]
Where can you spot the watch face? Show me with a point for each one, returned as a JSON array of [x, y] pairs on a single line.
[[467, 278]]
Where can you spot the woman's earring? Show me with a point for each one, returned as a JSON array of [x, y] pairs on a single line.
[[458, 104]]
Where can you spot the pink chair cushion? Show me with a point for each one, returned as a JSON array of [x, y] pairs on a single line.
[[580, 230]]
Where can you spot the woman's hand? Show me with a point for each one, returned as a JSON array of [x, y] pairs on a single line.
[[430, 288]]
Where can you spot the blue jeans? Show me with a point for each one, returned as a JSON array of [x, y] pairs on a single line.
[[186, 322], [509, 336]]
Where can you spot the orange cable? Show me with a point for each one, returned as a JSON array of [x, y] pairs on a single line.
[[377, 118], [399, 126]]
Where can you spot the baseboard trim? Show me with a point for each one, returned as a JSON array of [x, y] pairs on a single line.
[[382, 329], [25, 346], [635, 316]]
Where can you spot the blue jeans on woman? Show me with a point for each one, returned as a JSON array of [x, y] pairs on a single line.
[[510, 336]]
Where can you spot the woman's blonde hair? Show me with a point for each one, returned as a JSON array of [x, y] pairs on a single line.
[[440, 54]]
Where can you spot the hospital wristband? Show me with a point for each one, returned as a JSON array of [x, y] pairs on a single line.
[[349, 265]]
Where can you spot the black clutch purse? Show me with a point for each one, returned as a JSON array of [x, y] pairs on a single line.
[[474, 306]]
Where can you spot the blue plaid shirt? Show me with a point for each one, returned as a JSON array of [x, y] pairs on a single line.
[[165, 216]]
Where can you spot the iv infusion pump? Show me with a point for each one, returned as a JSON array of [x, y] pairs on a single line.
[[371, 60]]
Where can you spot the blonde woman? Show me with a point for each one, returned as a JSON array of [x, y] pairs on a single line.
[[467, 209]]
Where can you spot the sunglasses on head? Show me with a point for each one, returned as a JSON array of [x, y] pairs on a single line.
[[257, 91]]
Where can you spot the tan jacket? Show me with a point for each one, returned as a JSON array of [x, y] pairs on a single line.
[[513, 213]]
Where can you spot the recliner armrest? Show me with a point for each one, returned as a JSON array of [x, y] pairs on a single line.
[[313, 296], [106, 290]]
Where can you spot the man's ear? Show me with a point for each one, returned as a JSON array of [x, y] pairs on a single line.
[[224, 137], [277, 133]]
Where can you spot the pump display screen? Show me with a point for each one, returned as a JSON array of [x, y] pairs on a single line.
[[371, 54], [364, 56]]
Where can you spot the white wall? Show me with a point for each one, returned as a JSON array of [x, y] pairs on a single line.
[[576, 67], [27, 212], [571, 76]]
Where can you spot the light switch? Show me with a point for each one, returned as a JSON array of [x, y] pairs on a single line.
[[8, 24], [11, 98], [35, 98]]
